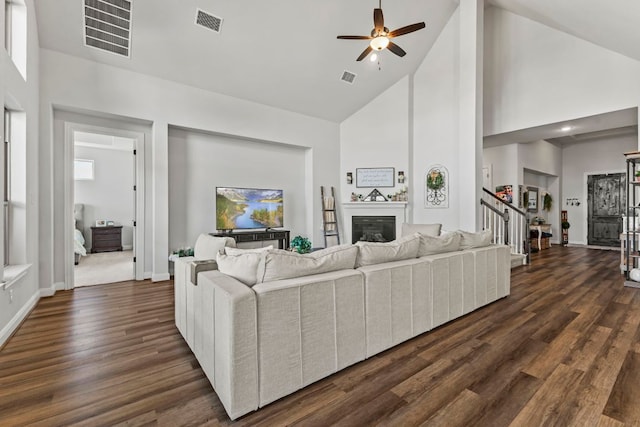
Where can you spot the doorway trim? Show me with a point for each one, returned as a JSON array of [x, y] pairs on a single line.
[[69, 195]]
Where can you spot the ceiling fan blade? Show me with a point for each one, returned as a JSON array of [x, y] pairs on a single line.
[[355, 37], [408, 29], [364, 53], [378, 20], [396, 49]]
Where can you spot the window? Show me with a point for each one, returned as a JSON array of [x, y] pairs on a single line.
[[7, 185], [83, 170], [15, 33]]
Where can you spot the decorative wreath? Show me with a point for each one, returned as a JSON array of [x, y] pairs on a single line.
[[435, 180]]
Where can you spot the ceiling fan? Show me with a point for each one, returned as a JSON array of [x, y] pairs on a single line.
[[380, 35]]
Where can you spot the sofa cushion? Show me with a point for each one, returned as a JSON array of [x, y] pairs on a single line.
[[376, 253], [475, 240], [207, 247], [430, 245], [280, 264], [424, 229], [243, 267], [239, 251]]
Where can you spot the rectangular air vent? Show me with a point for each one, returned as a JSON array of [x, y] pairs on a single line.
[[107, 25], [348, 76], [208, 20]]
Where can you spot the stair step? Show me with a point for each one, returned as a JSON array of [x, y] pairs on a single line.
[[517, 260]]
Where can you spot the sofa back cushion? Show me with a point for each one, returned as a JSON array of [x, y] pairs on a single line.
[[242, 267], [207, 247], [424, 229], [376, 253], [239, 251], [430, 245], [279, 264], [471, 240]]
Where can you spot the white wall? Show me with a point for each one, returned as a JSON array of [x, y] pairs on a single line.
[[377, 136], [80, 85], [535, 75], [199, 162], [588, 158], [21, 95], [109, 196], [504, 167]]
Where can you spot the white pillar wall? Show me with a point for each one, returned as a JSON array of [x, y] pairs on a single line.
[[470, 113], [160, 195]]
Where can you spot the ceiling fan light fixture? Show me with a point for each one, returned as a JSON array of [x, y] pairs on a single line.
[[379, 43]]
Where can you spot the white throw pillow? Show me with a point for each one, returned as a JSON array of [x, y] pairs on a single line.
[[207, 246], [240, 251], [475, 240], [430, 245], [242, 267], [376, 253], [280, 264], [424, 229]]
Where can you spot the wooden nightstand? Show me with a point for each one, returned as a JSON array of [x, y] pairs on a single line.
[[106, 239]]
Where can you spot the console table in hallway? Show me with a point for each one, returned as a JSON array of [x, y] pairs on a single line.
[[282, 236]]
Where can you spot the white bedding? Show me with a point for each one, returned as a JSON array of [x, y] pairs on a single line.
[[78, 242]]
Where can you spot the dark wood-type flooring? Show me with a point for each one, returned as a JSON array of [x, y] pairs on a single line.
[[563, 349]]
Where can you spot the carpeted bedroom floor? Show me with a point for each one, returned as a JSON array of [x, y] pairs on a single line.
[[105, 267]]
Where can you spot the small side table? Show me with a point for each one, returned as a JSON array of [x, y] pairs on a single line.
[[106, 239]]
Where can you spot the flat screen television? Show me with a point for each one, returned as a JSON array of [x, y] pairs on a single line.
[[248, 208]]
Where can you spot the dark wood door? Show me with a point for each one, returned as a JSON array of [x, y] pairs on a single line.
[[606, 204]]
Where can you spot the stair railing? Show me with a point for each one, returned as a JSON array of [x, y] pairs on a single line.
[[508, 224]]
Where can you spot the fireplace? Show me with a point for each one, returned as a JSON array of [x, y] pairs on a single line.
[[373, 228]]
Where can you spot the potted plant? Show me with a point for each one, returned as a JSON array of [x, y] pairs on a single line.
[[565, 225], [547, 202], [300, 244], [637, 175]]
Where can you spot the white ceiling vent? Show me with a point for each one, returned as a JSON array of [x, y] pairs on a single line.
[[348, 76], [107, 25], [207, 20]]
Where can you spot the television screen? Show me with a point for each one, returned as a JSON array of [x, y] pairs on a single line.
[[242, 208]]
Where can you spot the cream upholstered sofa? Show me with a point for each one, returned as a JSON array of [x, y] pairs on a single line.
[[259, 342]]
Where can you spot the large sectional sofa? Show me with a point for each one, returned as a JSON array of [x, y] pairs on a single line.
[[308, 316]]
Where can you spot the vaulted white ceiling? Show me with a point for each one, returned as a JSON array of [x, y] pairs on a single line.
[[284, 53]]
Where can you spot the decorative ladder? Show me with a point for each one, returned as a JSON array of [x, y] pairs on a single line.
[[508, 224], [329, 217]]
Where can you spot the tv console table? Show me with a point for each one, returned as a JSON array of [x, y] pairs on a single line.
[[282, 236]]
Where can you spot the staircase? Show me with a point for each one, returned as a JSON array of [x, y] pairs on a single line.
[[509, 226]]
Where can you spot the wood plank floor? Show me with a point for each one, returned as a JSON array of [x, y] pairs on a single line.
[[563, 349]]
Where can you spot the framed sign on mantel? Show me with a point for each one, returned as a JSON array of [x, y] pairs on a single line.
[[375, 177]]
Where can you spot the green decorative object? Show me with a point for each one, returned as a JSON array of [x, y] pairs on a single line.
[[300, 244], [435, 180], [547, 201], [565, 225]]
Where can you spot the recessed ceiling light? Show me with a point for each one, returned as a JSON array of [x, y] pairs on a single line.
[[566, 128]]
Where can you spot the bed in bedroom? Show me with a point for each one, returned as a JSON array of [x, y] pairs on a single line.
[[78, 238]]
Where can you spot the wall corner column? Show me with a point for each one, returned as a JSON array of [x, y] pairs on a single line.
[[471, 112], [160, 194]]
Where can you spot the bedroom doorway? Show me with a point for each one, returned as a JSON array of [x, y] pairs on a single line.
[[105, 200]]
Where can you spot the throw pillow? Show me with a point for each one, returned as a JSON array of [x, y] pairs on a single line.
[[424, 229], [375, 253], [279, 264], [475, 240], [207, 247], [239, 251], [430, 245], [242, 267]]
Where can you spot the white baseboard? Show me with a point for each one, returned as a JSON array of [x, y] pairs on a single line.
[[147, 275], [13, 324], [160, 277], [127, 247]]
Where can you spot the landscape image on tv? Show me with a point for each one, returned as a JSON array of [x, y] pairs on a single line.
[[240, 208]]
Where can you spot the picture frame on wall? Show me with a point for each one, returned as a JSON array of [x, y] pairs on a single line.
[[532, 199], [375, 177]]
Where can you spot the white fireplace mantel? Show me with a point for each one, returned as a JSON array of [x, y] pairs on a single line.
[[351, 209]]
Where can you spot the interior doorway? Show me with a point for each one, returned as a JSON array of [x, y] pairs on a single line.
[[104, 205], [104, 208], [606, 201]]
